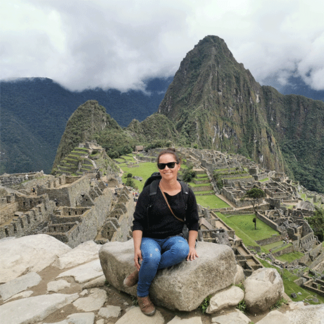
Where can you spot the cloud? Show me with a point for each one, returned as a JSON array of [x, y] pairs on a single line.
[[118, 44]]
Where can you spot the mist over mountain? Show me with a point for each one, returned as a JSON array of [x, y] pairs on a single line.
[[212, 102], [295, 85]]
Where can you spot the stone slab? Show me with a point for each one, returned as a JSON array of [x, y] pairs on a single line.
[[275, 317], [110, 311], [83, 253], [85, 272], [313, 314], [225, 298], [192, 320], [78, 318], [28, 313], [17, 285], [31, 253], [55, 286], [93, 302], [135, 316], [236, 317], [98, 282], [23, 294]]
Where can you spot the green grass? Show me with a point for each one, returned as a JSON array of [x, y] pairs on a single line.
[[144, 170], [205, 192], [191, 184], [128, 158], [235, 178], [264, 180], [211, 201], [290, 287], [202, 179], [272, 245], [204, 175], [247, 240], [244, 229], [245, 222], [119, 160], [289, 257], [226, 169]]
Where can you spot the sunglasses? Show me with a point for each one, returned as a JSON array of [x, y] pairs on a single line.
[[170, 165]]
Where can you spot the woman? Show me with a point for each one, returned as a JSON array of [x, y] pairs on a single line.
[[158, 243]]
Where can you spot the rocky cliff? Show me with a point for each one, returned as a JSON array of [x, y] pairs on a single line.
[[216, 103]]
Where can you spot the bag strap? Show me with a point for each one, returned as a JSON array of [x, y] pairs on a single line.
[[179, 219]]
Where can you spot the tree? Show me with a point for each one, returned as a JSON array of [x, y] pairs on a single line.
[[256, 195]]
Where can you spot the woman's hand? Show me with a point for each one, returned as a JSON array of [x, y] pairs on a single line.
[[192, 243], [192, 254], [137, 237], [137, 257]]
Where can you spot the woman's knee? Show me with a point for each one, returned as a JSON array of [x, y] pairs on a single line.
[[180, 247], [151, 258]]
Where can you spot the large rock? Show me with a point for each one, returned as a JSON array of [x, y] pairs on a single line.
[[28, 254], [83, 253], [173, 288], [17, 285], [239, 276], [225, 298], [262, 290], [33, 309]]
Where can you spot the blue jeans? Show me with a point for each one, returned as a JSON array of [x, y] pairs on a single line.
[[159, 254]]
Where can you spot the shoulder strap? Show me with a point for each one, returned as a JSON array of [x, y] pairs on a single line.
[[185, 192], [153, 187], [166, 200]]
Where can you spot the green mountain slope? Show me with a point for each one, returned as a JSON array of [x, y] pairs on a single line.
[[217, 104], [42, 108]]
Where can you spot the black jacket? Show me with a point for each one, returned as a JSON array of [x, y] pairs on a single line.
[[157, 221]]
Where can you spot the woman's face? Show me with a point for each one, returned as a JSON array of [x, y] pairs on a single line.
[[169, 173]]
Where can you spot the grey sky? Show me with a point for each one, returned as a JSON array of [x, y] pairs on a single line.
[[117, 44]]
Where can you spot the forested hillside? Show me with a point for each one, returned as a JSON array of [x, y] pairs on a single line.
[[34, 113]]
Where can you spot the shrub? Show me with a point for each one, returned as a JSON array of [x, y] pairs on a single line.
[[204, 305]]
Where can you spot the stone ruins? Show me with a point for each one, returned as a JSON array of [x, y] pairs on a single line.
[[84, 204]]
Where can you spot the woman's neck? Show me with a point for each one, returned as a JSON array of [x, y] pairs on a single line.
[[170, 185]]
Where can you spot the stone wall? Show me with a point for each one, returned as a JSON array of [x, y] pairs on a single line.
[[28, 221], [317, 261], [270, 240], [9, 180], [7, 211], [316, 251], [91, 222], [269, 222], [117, 226], [307, 242], [69, 195], [288, 249], [230, 197]]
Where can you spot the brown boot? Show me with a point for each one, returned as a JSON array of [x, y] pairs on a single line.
[[146, 305], [131, 280]]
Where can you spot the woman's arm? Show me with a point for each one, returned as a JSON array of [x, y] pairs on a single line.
[[192, 242], [137, 237]]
